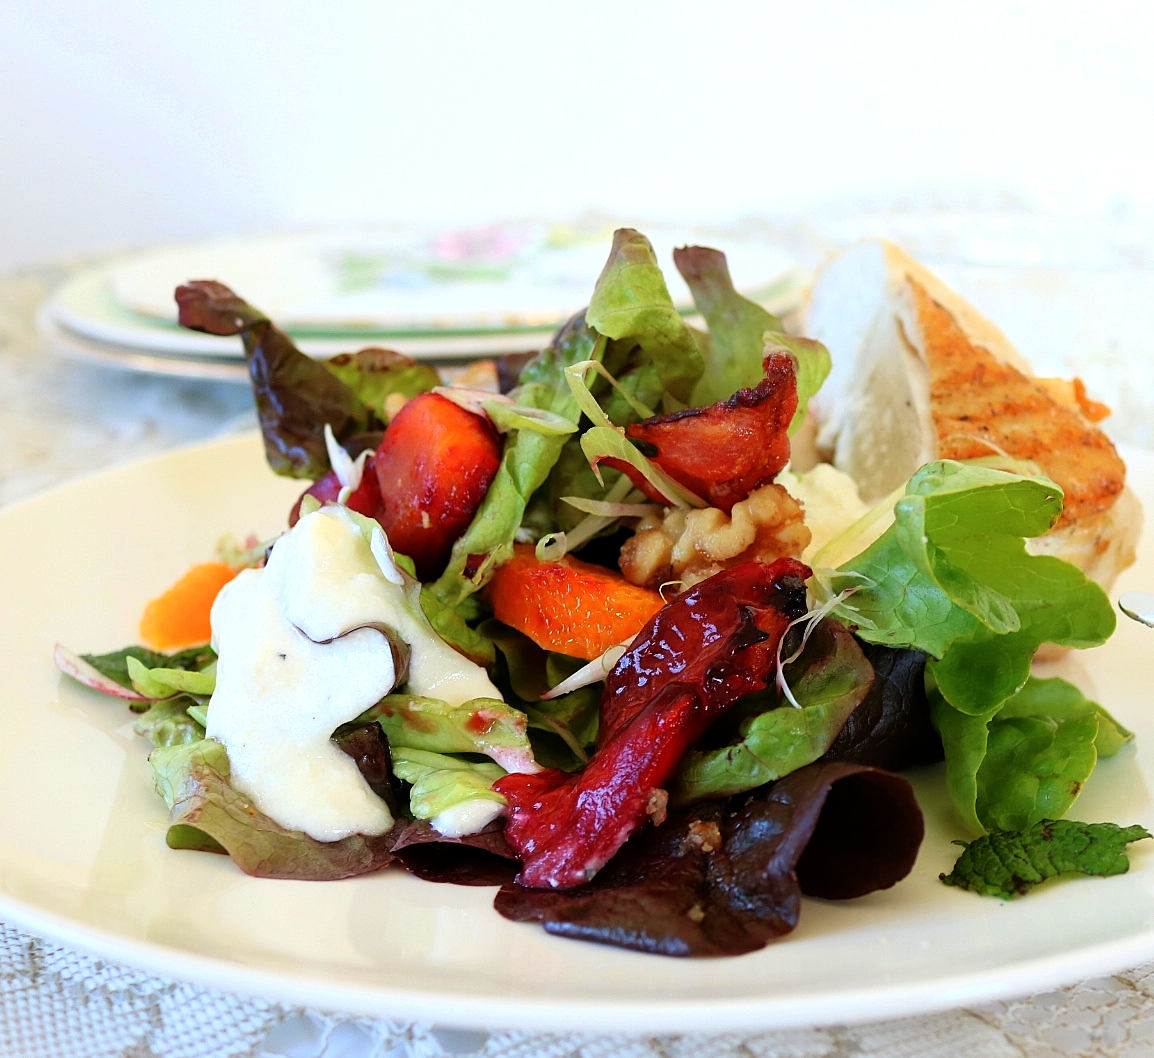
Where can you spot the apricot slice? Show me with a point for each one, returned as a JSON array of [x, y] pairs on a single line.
[[180, 617], [570, 606]]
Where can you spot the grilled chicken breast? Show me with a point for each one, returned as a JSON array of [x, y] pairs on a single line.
[[918, 374]]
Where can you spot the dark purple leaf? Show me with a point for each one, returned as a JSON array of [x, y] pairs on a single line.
[[475, 859], [726, 877], [891, 727]]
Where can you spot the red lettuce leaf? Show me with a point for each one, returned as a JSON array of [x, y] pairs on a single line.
[[295, 395], [209, 814], [726, 877], [475, 859], [891, 728]]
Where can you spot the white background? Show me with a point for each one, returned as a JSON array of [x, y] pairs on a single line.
[[134, 121]]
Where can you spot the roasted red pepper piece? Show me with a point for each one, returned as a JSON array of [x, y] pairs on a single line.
[[726, 450], [365, 499], [699, 655], [433, 468]]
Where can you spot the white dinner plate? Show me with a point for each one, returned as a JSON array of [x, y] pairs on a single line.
[[500, 276], [84, 310], [83, 857]]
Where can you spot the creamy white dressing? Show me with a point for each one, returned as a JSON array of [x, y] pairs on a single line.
[[466, 817], [296, 661]]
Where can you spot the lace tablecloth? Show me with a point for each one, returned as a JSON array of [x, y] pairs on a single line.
[[59, 420]]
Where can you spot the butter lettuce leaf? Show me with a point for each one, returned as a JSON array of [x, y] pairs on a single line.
[[157, 683], [169, 723], [442, 782], [483, 725], [952, 577], [1028, 759]]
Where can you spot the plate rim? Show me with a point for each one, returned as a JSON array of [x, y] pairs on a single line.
[[708, 1015]]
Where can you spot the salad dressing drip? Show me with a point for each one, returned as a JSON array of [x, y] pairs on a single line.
[[297, 660]]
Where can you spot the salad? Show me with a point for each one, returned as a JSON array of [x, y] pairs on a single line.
[[593, 640]]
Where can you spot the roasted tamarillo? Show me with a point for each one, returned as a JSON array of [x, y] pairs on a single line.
[[433, 468], [365, 498], [696, 658], [724, 451]]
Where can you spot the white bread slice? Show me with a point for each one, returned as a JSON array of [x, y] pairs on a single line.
[[918, 374]]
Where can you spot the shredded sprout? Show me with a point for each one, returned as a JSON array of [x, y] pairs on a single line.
[[594, 672], [811, 619]]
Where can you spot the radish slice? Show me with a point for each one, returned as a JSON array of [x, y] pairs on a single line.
[[75, 666]]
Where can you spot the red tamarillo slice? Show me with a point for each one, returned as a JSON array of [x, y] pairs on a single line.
[[699, 655]]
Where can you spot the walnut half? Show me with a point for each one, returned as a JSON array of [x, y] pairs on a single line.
[[689, 546]]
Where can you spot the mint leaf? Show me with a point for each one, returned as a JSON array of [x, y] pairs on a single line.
[[1006, 863]]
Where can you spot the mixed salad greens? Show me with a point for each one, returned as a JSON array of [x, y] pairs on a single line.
[[664, 770]]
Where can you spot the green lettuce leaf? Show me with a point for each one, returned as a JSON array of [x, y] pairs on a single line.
[[741, 333], [736, 325], [525, 670], [952, 577], [115, 665], [450, 623], [829, 680], [563, 730], [209, 815], [169, 723], [375, 374], [483, 725], [631, 306], [1011, 863], [440, 782], [1028, 759], [165, 682]]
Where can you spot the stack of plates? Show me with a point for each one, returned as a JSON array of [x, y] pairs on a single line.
[[440, 296]]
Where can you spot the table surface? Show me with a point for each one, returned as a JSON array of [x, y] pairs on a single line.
[[61, 419]]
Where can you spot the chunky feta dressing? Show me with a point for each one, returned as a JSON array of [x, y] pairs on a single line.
[[832, 504], [300, 655]]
